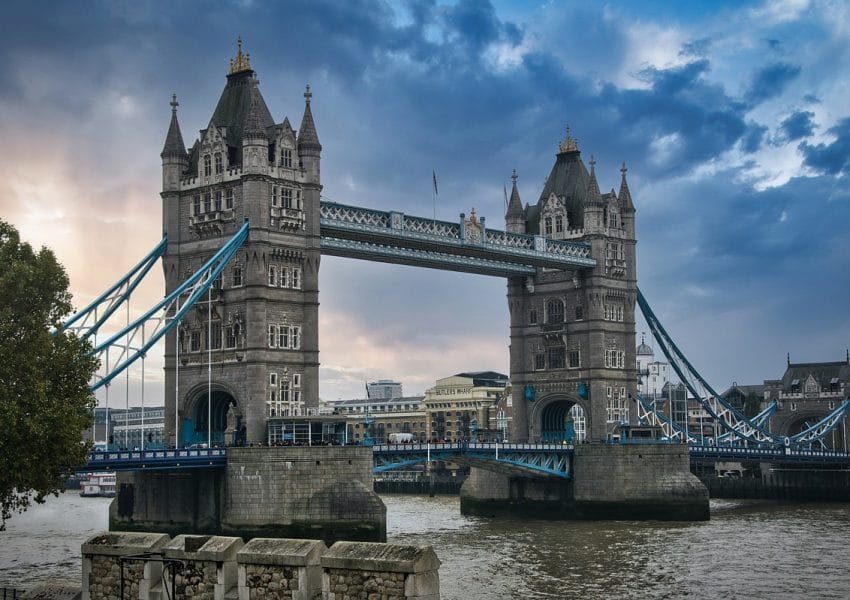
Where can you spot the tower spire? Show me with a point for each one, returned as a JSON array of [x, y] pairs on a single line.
[[625, 196], [308, 139], [173, 147], [593, 194], [241, 62]]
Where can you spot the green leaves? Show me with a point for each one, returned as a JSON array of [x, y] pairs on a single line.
[[45, 402]]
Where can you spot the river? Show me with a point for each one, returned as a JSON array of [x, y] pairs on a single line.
[[749, 549]]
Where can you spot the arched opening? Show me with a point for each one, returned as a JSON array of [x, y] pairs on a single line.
[[212, 407], [563, 421]]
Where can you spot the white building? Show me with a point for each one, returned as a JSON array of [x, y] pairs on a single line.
[[653, 374]]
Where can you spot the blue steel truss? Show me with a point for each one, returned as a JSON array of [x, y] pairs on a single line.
[[134, 340], [543, 459], [88, 321], [364, 233], [735, 425]]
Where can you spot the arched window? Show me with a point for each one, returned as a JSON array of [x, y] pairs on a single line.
[[207, 165], [554, 312]]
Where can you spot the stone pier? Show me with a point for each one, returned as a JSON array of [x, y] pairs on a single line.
[[609, 481], [320, 492]]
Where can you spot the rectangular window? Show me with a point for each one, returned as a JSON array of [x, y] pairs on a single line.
[[272, 275], [287, 158], [207, 203], [548, 225], [273, 379], [215, 335], [275, 195], [218, 201], [218, 165], [284, 277], [286, 197], [609, 391], [532, 316], [283, 337], [229, 337], [575, 359], [539, 361], [195, 341], [237, 276], [296, 278], [196, 205], [228, 199], [557, 357], [296, 337], [559, 224], [296, 380], [272, 336]]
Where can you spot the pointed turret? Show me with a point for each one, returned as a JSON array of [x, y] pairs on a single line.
[[173, 147], [308, 139], [593, 194], [515, 216], [309, 148], [594, 207], [173, 155], [254, 126], [625, 196]]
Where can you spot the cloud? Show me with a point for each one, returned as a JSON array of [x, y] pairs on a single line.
[[770, 81], [798, 125], [832, 158]]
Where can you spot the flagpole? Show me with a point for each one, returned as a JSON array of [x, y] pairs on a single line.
[[434, 179]]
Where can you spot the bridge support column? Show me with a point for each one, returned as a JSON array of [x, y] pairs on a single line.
[[609, 481], [294, 492]]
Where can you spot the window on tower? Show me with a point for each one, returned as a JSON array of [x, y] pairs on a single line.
[[548, 225], [287, 158], [554, 312], [196, 204], [557, 357], [207, 203], [207, 165], [228, 199], [237, 276], [272, 275], [218, 163], [559, 224], [218, 201]]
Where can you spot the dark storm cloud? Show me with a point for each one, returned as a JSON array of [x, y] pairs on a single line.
[[798, 125], [770, 81], [753, 137], [680, 101], [832, 158]]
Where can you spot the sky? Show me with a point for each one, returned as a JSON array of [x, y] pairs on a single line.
[[731, 117]]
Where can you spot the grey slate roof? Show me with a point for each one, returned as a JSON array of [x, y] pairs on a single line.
[[173, 146], [514, 204], [568, 179], [823, 373], [307, 137]]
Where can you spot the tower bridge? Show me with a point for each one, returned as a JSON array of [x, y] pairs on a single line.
[[244, 232]]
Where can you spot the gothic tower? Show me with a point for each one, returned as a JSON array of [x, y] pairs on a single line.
[[573, 332], [250, 350]]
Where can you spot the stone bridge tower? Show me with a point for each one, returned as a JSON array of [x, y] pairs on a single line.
[[250, 350], [573, 332]]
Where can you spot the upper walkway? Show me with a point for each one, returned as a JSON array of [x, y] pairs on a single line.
[[356, 232]]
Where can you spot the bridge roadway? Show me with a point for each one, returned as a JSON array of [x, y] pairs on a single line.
[[543, 459]]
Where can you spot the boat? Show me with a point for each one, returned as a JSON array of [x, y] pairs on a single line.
[[98, 485]]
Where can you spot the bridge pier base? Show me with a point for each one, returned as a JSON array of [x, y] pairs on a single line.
[[295, 492], [609, 481]]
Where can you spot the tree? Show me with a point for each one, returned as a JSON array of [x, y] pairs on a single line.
[[45, 401]]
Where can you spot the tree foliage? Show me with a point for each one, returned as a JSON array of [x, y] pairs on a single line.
[[45, 402]]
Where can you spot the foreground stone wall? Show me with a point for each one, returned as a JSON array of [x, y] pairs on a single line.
[[215, 568]]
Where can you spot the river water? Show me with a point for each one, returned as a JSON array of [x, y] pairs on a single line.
[[747, 550]]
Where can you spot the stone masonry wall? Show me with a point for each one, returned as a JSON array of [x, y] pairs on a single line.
[[268, 569], [310, 492]]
